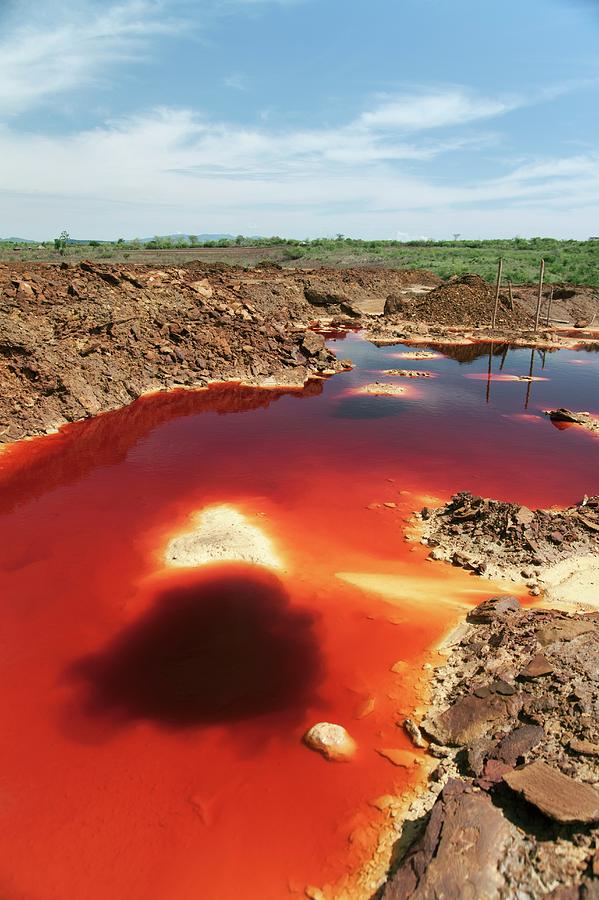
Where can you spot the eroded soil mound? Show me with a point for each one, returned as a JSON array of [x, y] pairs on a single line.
[[79, 340], [514, 722]]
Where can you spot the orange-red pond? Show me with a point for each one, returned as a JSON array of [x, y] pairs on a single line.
[[188, 584]]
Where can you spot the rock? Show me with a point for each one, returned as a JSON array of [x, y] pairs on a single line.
[[414, 732], [561, 798], [395, 304], [460, 851], [538, 666], [584, 748], [524, 515], [203, 288], [493, 773], [563, 630], [312, 343], [404, 758], [493, 608], [477, 754], [518, 743], [331, 740], [471, 717]]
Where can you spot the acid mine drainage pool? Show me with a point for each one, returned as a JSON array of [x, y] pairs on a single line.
[[189, 584]]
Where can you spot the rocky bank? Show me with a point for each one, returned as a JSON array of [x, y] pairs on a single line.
[[512, 808]]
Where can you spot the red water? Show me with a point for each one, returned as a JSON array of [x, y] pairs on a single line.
[[152, 718]]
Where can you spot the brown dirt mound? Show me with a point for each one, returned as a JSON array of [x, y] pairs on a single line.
[[463, 300], [79, 340]]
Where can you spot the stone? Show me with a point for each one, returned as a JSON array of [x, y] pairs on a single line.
[[203, 288], [403, 758], [312, 343], [493, 608], [518, 743], [460, 851], [524, 516], [471, 718], [538, 666], [556, 795], [503, 687], [584, 748], [493, 773], [414, 733], [563, 630], [333, 741]]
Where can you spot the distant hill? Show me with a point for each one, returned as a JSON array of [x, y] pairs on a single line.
[[16, 240]]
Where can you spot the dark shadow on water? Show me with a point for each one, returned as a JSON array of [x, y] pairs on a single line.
[[220, 649], [368, 407]]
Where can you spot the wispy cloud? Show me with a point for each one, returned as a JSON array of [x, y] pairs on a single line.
[[70, 45], [236, 81], [422, 110], [175, 160]]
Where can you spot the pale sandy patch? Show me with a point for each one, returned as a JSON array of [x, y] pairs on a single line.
[[221, 534], [572, 582]]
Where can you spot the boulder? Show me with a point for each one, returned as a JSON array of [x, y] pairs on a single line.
[[471, 718], [331, 740]]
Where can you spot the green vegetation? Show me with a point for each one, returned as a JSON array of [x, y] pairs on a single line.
[[572, 261]]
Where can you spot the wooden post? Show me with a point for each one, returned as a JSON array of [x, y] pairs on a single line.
[[540, 297], [509, 285], [549, 307], [497, 286]]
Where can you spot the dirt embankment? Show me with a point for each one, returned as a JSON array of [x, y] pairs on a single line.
[[79, 340], [76, 340], [513, 805]]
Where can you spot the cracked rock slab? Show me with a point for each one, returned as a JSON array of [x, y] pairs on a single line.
[[460, 852], [561, 798]]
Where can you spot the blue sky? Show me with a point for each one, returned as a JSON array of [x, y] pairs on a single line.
[[386, 119]]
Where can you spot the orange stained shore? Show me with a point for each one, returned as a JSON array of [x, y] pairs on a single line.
[[153, 717]]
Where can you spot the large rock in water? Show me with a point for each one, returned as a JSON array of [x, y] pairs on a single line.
[[331, 740], [459, 853]]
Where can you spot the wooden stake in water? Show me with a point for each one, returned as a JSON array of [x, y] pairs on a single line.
[[549, 307], [497, 287], [540, 297]]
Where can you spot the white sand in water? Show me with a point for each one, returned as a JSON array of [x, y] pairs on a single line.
[[219, 534]]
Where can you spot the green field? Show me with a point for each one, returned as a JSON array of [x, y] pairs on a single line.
[[572, 261]]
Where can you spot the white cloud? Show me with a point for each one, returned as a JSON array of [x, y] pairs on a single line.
[[172, 170], [71, 45], [434, 109]]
